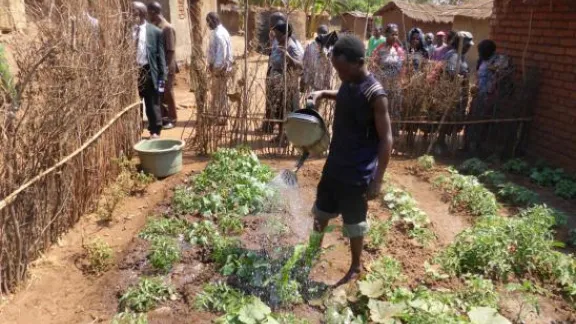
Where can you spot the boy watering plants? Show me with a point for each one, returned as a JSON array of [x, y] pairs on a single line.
[[360, 149]]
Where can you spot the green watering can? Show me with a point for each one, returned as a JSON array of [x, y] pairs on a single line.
[[306, 130]]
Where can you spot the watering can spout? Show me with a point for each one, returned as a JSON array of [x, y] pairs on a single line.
[[301, 161]]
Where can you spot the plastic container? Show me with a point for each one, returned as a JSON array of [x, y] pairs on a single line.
[[160, 157]]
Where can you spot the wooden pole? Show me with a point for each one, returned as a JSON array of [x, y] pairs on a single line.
[[245, 99], [12, 196]]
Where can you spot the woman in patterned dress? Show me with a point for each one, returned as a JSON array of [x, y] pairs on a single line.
[[387, 64]]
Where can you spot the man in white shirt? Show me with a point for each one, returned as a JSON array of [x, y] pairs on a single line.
[[151, 60], [220, 62]]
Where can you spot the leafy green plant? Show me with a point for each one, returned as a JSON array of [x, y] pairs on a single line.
[[516, 166], [288, 288], [566, 189], [426, 162], [230, 223], [164, 252], [219, 297], [547, 177], [287, 318], [130, 318], [518, 195], [6, 79], [203, 233], [99, 255], [377, 233], [499, 247], [404, 209], [479, 292], [130, 179], [233, 181], [473, 166], [252, 311], [467, 193], [493, 178], [111, 198], [162, 226], [146, 295], [386, 268]]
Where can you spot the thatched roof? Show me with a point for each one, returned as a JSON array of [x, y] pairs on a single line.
[[419, 12], [356, 14], [228, 2], [475, 9]]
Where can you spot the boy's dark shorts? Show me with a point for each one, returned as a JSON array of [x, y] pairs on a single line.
[[334, 198]]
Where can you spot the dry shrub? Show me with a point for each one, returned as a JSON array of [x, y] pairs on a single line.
[[73, 78]]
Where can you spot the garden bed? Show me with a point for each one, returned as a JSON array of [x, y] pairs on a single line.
[[176, 260]]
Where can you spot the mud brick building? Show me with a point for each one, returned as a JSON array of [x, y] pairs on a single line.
[[407, 15], [540, 36], [12, 15]]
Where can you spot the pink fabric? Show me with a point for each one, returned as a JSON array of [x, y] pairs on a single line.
[[439, 52]]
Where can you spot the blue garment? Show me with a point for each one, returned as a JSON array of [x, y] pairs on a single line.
[[484, 77], [353, 156]]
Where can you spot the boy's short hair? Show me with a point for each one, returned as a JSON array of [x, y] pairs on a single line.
[[351, 47]]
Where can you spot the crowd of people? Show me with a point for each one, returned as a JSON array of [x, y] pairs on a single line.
[[390, 60], [367, 99], [294, 70], [155, 41]]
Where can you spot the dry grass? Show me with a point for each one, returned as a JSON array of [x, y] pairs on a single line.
[[72, 79]]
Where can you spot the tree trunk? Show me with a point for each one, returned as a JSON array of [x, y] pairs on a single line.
[[198, 75]]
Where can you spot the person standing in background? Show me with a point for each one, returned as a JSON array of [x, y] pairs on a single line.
[[168, 102], [375, 41], [417, 53], [429, 44], [388, 63], [151, 61], [317, 68], [440, 47], [220, 62], [285, 67]]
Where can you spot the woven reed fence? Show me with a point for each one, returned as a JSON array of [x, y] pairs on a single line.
[[74, 89]]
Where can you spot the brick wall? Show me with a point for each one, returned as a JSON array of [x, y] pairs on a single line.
[[552, 51]]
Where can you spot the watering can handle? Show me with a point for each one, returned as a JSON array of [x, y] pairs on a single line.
[[310, 104]]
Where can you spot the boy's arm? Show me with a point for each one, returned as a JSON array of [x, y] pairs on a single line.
[[323, 94], [384, 129]]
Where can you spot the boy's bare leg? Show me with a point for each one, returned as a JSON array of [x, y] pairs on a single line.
[[356, 246]]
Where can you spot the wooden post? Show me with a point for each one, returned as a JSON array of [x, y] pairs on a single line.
[[245, 96], [198, 72]]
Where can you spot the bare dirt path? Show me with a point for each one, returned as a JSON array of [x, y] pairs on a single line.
[[445, 224], [57, 290]]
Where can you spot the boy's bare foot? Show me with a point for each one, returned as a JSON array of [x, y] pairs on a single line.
[[353, 274]]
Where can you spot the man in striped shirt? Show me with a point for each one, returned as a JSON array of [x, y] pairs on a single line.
[[359, 151]]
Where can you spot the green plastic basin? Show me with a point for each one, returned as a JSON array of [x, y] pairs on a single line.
[[160, 157]]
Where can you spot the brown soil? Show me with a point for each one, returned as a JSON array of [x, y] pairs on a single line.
[[59, 292]]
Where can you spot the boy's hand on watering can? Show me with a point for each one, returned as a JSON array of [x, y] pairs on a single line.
[[315, 97]]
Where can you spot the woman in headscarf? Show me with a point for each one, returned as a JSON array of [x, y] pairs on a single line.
[[387, 63], [494, 74], [285, 65], [456, 68], [417, 53]]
